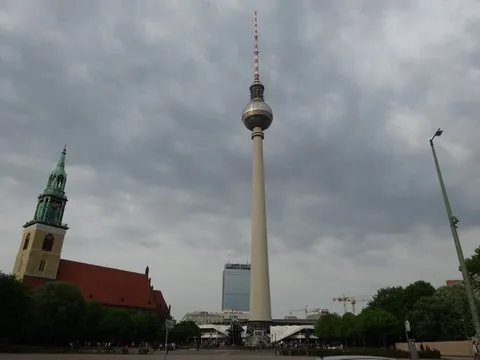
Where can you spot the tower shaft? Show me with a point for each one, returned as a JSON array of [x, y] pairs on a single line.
[[260, 304]]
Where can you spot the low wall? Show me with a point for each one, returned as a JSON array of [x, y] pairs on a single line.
[[447, 348]]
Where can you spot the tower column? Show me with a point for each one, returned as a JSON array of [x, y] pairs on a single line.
[[257, 117], [260, 306]]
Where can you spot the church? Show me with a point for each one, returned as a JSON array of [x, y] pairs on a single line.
[[39, 258]]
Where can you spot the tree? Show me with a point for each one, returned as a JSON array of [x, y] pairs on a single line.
[[60, 312], [155, 327], [398, 301], [117, 326], [347, 329], [390, 299], [378, 326], [326, 328], [473, 267], [139, 325], [184, 331], [94, 315], [15, 308], [415, 291], [443, 316]]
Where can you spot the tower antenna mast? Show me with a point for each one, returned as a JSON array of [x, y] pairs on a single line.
[[256, 72]]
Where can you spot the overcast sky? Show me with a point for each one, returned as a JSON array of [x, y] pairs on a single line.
[[148, 96]]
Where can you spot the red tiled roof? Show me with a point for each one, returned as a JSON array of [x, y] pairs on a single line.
[[159, 299], [453, 282], [108, 286]]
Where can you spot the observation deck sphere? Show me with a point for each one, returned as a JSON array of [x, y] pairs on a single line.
[[257, 113]]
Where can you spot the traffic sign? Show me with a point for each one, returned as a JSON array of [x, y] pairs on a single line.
[[407, 326], [170, 324]]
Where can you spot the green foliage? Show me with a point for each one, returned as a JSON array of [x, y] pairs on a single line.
[[473, 268], [443, 316], [60, 312], [57, 314], [377, 326], [328, 326], [434, 315], [184, 332], [373, 326], [15, 307]]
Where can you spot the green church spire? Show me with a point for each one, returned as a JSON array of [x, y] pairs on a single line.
[[58, 177], [51, 203]]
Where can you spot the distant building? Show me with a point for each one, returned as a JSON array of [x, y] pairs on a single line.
[[454, 282], [208, 317], [236, 287], [315, 315]]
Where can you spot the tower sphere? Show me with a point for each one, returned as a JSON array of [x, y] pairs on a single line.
[[257, 113]]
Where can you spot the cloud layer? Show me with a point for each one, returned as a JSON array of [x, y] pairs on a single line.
[[148, 97]]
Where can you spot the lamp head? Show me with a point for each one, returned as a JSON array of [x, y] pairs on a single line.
[[439, 132]]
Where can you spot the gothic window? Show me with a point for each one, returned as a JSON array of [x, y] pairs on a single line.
[[48, 243], [60, 181], [41, 267], [26, 242]]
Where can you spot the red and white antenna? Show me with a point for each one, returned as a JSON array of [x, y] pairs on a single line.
[[256, 73]]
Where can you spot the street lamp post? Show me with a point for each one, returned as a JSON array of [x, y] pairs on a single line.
[[453, 221]]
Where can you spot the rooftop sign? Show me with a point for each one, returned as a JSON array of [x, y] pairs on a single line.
[[238, 266]]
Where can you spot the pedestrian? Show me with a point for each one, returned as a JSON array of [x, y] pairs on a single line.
[[475, 350]]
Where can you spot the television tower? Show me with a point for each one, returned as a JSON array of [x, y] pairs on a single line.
[[257, 117]]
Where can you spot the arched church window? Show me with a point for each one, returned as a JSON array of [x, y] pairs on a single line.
[[48, 243], [26, 242]]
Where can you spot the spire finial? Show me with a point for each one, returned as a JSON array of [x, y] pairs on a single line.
[[256, 73], [61, 161]]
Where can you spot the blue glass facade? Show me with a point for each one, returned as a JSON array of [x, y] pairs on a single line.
[[236, 287]]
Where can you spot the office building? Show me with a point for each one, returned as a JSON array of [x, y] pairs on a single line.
[[236, 287]]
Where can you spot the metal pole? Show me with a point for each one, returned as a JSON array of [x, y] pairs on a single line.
[[453, 221], [166, 339]]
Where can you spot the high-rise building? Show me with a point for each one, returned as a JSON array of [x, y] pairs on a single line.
[[236, 287], [257, 117]]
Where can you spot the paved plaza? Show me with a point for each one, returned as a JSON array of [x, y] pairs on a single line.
[[174, 355]]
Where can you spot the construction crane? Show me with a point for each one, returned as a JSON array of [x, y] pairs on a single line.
[[305, 310], [353, 300], [343, 299]]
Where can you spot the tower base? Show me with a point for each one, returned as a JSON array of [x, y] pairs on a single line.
[[258, 334]]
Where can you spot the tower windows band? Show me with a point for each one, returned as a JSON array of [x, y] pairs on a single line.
[[48, 243]]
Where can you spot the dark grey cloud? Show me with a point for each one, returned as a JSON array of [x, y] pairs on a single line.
[[148, 97]]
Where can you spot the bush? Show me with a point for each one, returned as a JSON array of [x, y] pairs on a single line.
[[382, 352], [429, 354], [143, 351]]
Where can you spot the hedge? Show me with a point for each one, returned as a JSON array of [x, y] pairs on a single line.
[[382, 352]]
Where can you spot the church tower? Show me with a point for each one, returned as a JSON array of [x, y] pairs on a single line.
[[42, 240]]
